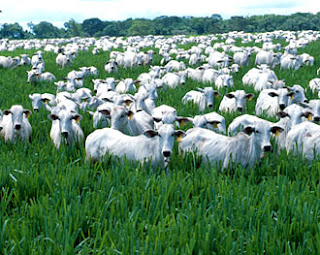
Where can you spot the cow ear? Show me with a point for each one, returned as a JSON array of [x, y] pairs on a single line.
[[30, 96], [229, 95], [105, 112], [273, 94], [45, 100], [248, 130], [276, 130], [27, 113], [249, 96], [291, 95], [150, 133], [308, 115], [183, 120], [130, 114], [282, 114], [216, 93], [215, 123], [179, 134], [77, 117], [6, 112], [53, 117], [200, 89]]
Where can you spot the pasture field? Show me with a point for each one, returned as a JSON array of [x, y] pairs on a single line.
[[53, 202]]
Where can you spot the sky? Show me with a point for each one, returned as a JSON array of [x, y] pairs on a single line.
[[58, 12]]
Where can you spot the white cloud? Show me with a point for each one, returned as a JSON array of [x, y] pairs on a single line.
[[59, 11]]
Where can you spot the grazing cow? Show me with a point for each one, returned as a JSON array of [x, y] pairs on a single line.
[[174, 65], [151, 145], [65, 127], [235, 101], [246, 148], [15, 124], [202, 97], [272, 101], [307, 59]]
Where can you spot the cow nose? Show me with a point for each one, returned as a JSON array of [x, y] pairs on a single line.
[[317, 118], [282, 106], [240, 109], [95, 91], [210, 105], [267, 148], [65, 134], [166, 153], [17, 126]]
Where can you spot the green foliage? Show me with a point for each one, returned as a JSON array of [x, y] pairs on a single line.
[[53, 202], [166, 25]]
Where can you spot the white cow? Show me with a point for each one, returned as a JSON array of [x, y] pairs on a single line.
[[242, 58], [173, 80], [155, 146], [15, 124], [290, 61], [245, 148], [272, 101], [125, 86], [235, 101], [314, 85], [268, 57], [224, 81], [212, 121], [304, 138], [202, 97], [111, 66], [65, 127], [42, 100], [64, 59]]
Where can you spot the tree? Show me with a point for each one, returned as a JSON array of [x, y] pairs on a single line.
[[46, 30], [92, 26], [73, 28], [141, 27], [12, 31]]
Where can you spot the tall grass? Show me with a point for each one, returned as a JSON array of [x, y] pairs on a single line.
[[53, 202]]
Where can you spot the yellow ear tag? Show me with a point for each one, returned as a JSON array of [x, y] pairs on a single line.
[[179, 138], [182, 123], [249, 98], [85, 100], [215, 125], [309, 117], [77, 119], [277, 133], [217, 95], [130, 115], [291, 97], [28, 115]]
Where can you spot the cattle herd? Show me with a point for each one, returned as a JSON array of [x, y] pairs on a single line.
[[126, 120]]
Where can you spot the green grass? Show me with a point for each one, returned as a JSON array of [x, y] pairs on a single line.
[[53, 202]]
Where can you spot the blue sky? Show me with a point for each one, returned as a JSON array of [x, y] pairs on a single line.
[[59, 11]]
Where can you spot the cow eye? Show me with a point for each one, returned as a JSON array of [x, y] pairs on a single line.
[[257, 131]]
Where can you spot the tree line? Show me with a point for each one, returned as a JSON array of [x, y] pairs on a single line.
[[164, 25]]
